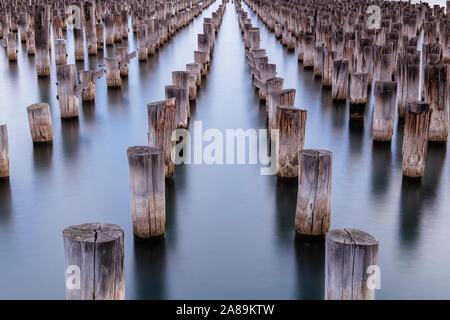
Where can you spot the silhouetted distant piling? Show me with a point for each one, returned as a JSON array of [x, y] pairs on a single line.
[[313, 213], [40, 121], [94, 262], [147, 191], [350, 259]]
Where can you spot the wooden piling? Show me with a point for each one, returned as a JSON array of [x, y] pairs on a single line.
[[41, 34], [313, 211], [4, 152], [162, 123], [181, 96], [60, 52], [348, 255], [113, 78], [327, 71], [94, 262], [142, 42], [415, 138], [147, 191], [40, 121], [358, 94], [339, 86], [291, 123], [99, 30], [195, 69], [68, 100], [278, 98], [383, 119]]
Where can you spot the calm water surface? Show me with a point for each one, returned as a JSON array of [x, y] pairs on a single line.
[[230, 231]]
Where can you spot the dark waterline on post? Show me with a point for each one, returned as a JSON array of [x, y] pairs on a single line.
[[230, 231]]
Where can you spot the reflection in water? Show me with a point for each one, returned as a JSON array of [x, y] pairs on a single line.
[[171, 207], [399, 144], [285, 205], [411, 203], [381, 168], [149, 270], [435, 161], [339, 114], [5, 200], [88, 111], [356, 136], [42, 155], [310, 261], [71, 138], [44, 88]]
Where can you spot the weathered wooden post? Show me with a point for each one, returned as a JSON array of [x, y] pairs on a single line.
[[4, 152], [195, 69], [11, 46], [327, 70], [308, 50], [291, 123], [318, 60], [181, 100], [273, 84], [339, 86], [202, 58], [117, 18], [40, 120], [31, 48], [313, 213], [350, 259], [181, 79], [99, 30], [383, 120], [147, 191], [94, 262], [109, 29], [90, 22], [113, 78], [68, 100], [162, 123], [358, 94], [23, 26], [436, 92], [78, 38], [60, 52], [278, 98], [142, 42], [41, 34], [415, 138]]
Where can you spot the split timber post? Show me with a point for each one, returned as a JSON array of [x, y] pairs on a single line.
[[113, 78], [202, 58], [180, 94], [41, 41], [60, 52], [87, 83], [147, 191], [109, 29], [339, 86], [94, 262], [415, 138], [278, 98], [358, 94], [40, 120], [291, 123], [318, 60], [313, 211], [68, 100], [4, 152], [161, 124], [308, 50], [349, 256], [121, 53], [383, 120], [436, 89], [31, 47]]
